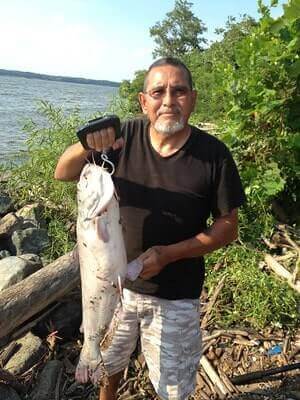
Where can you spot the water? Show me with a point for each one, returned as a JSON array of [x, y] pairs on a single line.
[[19, 98]]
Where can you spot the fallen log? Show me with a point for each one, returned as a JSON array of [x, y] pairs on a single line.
[[254, 376], [281, 272], [21, 301]]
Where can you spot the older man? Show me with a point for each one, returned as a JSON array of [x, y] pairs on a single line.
[[170, 177]]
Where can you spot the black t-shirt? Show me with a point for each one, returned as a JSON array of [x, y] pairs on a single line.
[[164, 200]]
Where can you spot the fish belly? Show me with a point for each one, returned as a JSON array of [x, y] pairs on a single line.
[[103, 266]]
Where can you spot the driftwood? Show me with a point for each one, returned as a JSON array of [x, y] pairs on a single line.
[[253, 376], [211, 303], [23, 300], [214, 377], [282, 272]]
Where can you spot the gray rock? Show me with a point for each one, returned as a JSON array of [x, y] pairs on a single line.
[[46, 383], [8, 393], [15, 268], [31, 216], [6, 204], [8, 224], [4, 253], [30, 351], [30, 240]]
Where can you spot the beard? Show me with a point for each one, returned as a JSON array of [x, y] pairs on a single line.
[[168, 128]]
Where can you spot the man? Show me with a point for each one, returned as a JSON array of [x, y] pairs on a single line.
[[170, 177]]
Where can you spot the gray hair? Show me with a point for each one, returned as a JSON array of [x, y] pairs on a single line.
[[175, 62]]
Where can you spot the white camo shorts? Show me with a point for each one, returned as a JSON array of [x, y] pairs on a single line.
[[170, 341]]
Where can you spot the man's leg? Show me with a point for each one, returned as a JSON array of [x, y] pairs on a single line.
[[171, 343], [116, 357], [109, 392]]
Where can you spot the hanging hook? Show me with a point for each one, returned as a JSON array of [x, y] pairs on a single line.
[[105, 159]]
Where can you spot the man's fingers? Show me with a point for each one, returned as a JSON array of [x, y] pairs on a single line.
[[108, 137], [102, 140], [90, 141], [97, 136]]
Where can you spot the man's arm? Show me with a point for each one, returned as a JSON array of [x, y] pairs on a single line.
[[223, 231], [71, 163], [73, 159]]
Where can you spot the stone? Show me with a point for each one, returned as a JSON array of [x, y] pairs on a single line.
[[6, 204], [13, 269], [4, 254], [31, 216], [29, 240], [46, 382], [30, 350], [8, 224], [8, 393]]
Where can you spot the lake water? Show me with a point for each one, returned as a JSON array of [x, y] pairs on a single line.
[[19, 98]]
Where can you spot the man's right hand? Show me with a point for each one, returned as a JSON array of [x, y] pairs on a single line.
[[104, 139]]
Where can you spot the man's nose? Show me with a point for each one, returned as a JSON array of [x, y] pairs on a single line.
[[168, 97]]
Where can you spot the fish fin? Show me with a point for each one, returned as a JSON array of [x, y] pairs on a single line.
[[108, 337], [99, 374], [101, 228]]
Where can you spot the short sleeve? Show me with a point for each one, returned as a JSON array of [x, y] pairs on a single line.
[[227, 191]]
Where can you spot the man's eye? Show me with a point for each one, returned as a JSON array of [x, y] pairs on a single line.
[[157, 93], [180, 92]]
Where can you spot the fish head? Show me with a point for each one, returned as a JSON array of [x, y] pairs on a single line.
[[95, 190]]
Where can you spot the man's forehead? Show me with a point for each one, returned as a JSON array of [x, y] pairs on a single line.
[[165, 74]]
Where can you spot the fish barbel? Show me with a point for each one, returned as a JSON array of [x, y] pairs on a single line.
[[103, 265]]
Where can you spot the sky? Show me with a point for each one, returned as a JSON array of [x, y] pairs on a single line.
[[96, 39]]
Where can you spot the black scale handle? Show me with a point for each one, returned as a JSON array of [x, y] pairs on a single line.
[[97, 124]]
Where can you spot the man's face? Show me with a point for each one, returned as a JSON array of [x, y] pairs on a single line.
[[168, 100]]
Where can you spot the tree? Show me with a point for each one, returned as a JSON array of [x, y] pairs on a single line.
[[179, 33]]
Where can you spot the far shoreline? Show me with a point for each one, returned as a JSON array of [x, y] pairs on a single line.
[[57, 78]]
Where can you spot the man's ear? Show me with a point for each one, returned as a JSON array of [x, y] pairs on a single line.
[[143, 102]]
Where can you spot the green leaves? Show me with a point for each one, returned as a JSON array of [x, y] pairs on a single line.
[[180, 32]]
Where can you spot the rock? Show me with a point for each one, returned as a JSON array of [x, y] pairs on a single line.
[[4, 253], [8, 393], [30, 240], [30, 351], [46, 383], [31, 216], [8, 224], [13, 269], [6, 204]]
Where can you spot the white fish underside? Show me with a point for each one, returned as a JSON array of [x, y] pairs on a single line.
[[103, 264]]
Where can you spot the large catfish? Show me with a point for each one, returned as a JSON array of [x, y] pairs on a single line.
[[103, 265]]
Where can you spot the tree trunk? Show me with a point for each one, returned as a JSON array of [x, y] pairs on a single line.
[[21, 301]]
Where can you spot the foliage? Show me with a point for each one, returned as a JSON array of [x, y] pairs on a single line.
[[32, 180], [212, 100], [261, 120], [127, 99], [250, 296], [179, 33]]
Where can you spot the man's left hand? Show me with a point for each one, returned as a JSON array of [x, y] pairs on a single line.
[[154, 260]]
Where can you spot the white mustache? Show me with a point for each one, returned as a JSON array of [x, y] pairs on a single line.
[[174, 111]]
